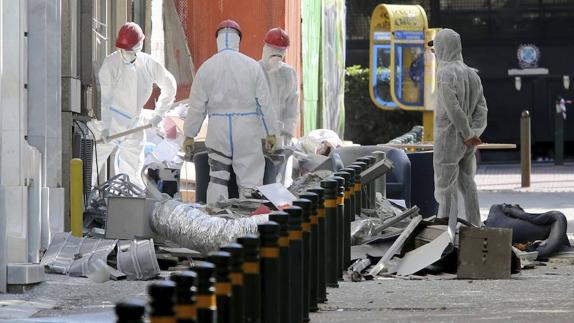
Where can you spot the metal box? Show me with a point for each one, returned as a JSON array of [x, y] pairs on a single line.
[[484, 253], [128, 218]]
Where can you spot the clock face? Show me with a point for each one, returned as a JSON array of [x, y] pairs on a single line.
[[528, 56]]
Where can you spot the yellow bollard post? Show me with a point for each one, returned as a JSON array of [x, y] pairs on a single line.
[[428, 125], [76, 197]]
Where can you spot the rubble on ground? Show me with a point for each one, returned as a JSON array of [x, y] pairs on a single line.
[[308, 181]]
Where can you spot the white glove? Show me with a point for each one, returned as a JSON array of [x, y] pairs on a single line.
[[104, 136], [155, 120]]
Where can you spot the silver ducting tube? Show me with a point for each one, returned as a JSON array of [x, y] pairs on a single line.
[[192, 228]]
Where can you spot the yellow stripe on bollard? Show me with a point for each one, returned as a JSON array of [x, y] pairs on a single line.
[[186, 311], [76, 197]]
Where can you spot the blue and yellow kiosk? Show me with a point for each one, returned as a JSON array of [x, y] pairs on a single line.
[[402, 67]]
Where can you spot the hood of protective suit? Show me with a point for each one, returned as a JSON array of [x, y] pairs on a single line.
[[447, 46], [272, 58], [228, 38]]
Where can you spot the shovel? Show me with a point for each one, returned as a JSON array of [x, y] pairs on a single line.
[[126, 133]]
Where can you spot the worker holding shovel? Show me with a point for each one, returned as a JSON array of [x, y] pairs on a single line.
[[126, 82]]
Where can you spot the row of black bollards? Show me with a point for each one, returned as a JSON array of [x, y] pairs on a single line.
[[280, 275]]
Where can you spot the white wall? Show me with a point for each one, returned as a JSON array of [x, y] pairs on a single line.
[[13, 193], [44, 106], [30, 112]]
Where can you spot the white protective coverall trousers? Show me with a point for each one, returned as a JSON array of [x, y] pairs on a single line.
[[232, 90], [460, 114], [125, 88]]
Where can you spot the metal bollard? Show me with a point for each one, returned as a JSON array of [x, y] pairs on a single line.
[[351, 191], [295, 264], [161, 302], [558, 135], [321, 284], [331, 188], [346, 221], [185, 310], [357, 190], [131, 311], [525, 155], [340, 222], [222, 260], [372, 191], [306, 206], [381, 182], [366, 187], [237, 291], [269, 235], [314, 249], [251, 277], [364, 196], [282, 219], [206, 302]]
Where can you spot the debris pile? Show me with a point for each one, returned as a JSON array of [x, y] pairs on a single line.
[[307, 181], [84, 257], [97, 208], [192, 228], [424, 246]]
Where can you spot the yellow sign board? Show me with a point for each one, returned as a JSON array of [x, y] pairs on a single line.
[[398, 57], [388, 17], [402, 66]]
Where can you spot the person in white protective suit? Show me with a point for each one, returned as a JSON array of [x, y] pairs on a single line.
[[460, 120], [126, 82], [230, 88], [282, 83], [283, 86]]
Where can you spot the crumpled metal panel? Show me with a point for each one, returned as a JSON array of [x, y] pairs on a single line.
[[90, 251], [137, 259], [192, 228], [60, 254], [72, 255], [307, 181]]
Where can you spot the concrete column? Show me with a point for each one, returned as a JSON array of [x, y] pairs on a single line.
[[13, 96], [118, 17], [44, 106], [70, 38]]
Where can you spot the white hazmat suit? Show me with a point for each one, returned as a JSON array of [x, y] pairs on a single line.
[[230, 88], [460, 114], [284, 92], [125, 88]]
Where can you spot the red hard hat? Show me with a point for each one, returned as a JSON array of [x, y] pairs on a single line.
[[129, 35], [228, 24], [277, 38]]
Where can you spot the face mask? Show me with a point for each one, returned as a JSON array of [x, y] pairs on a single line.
[[275, 62], [128, 56]]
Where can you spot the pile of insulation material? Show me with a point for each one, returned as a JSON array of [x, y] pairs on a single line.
[[191, 227]]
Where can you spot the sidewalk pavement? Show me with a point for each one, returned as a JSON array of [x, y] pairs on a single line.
[[544, 178]]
